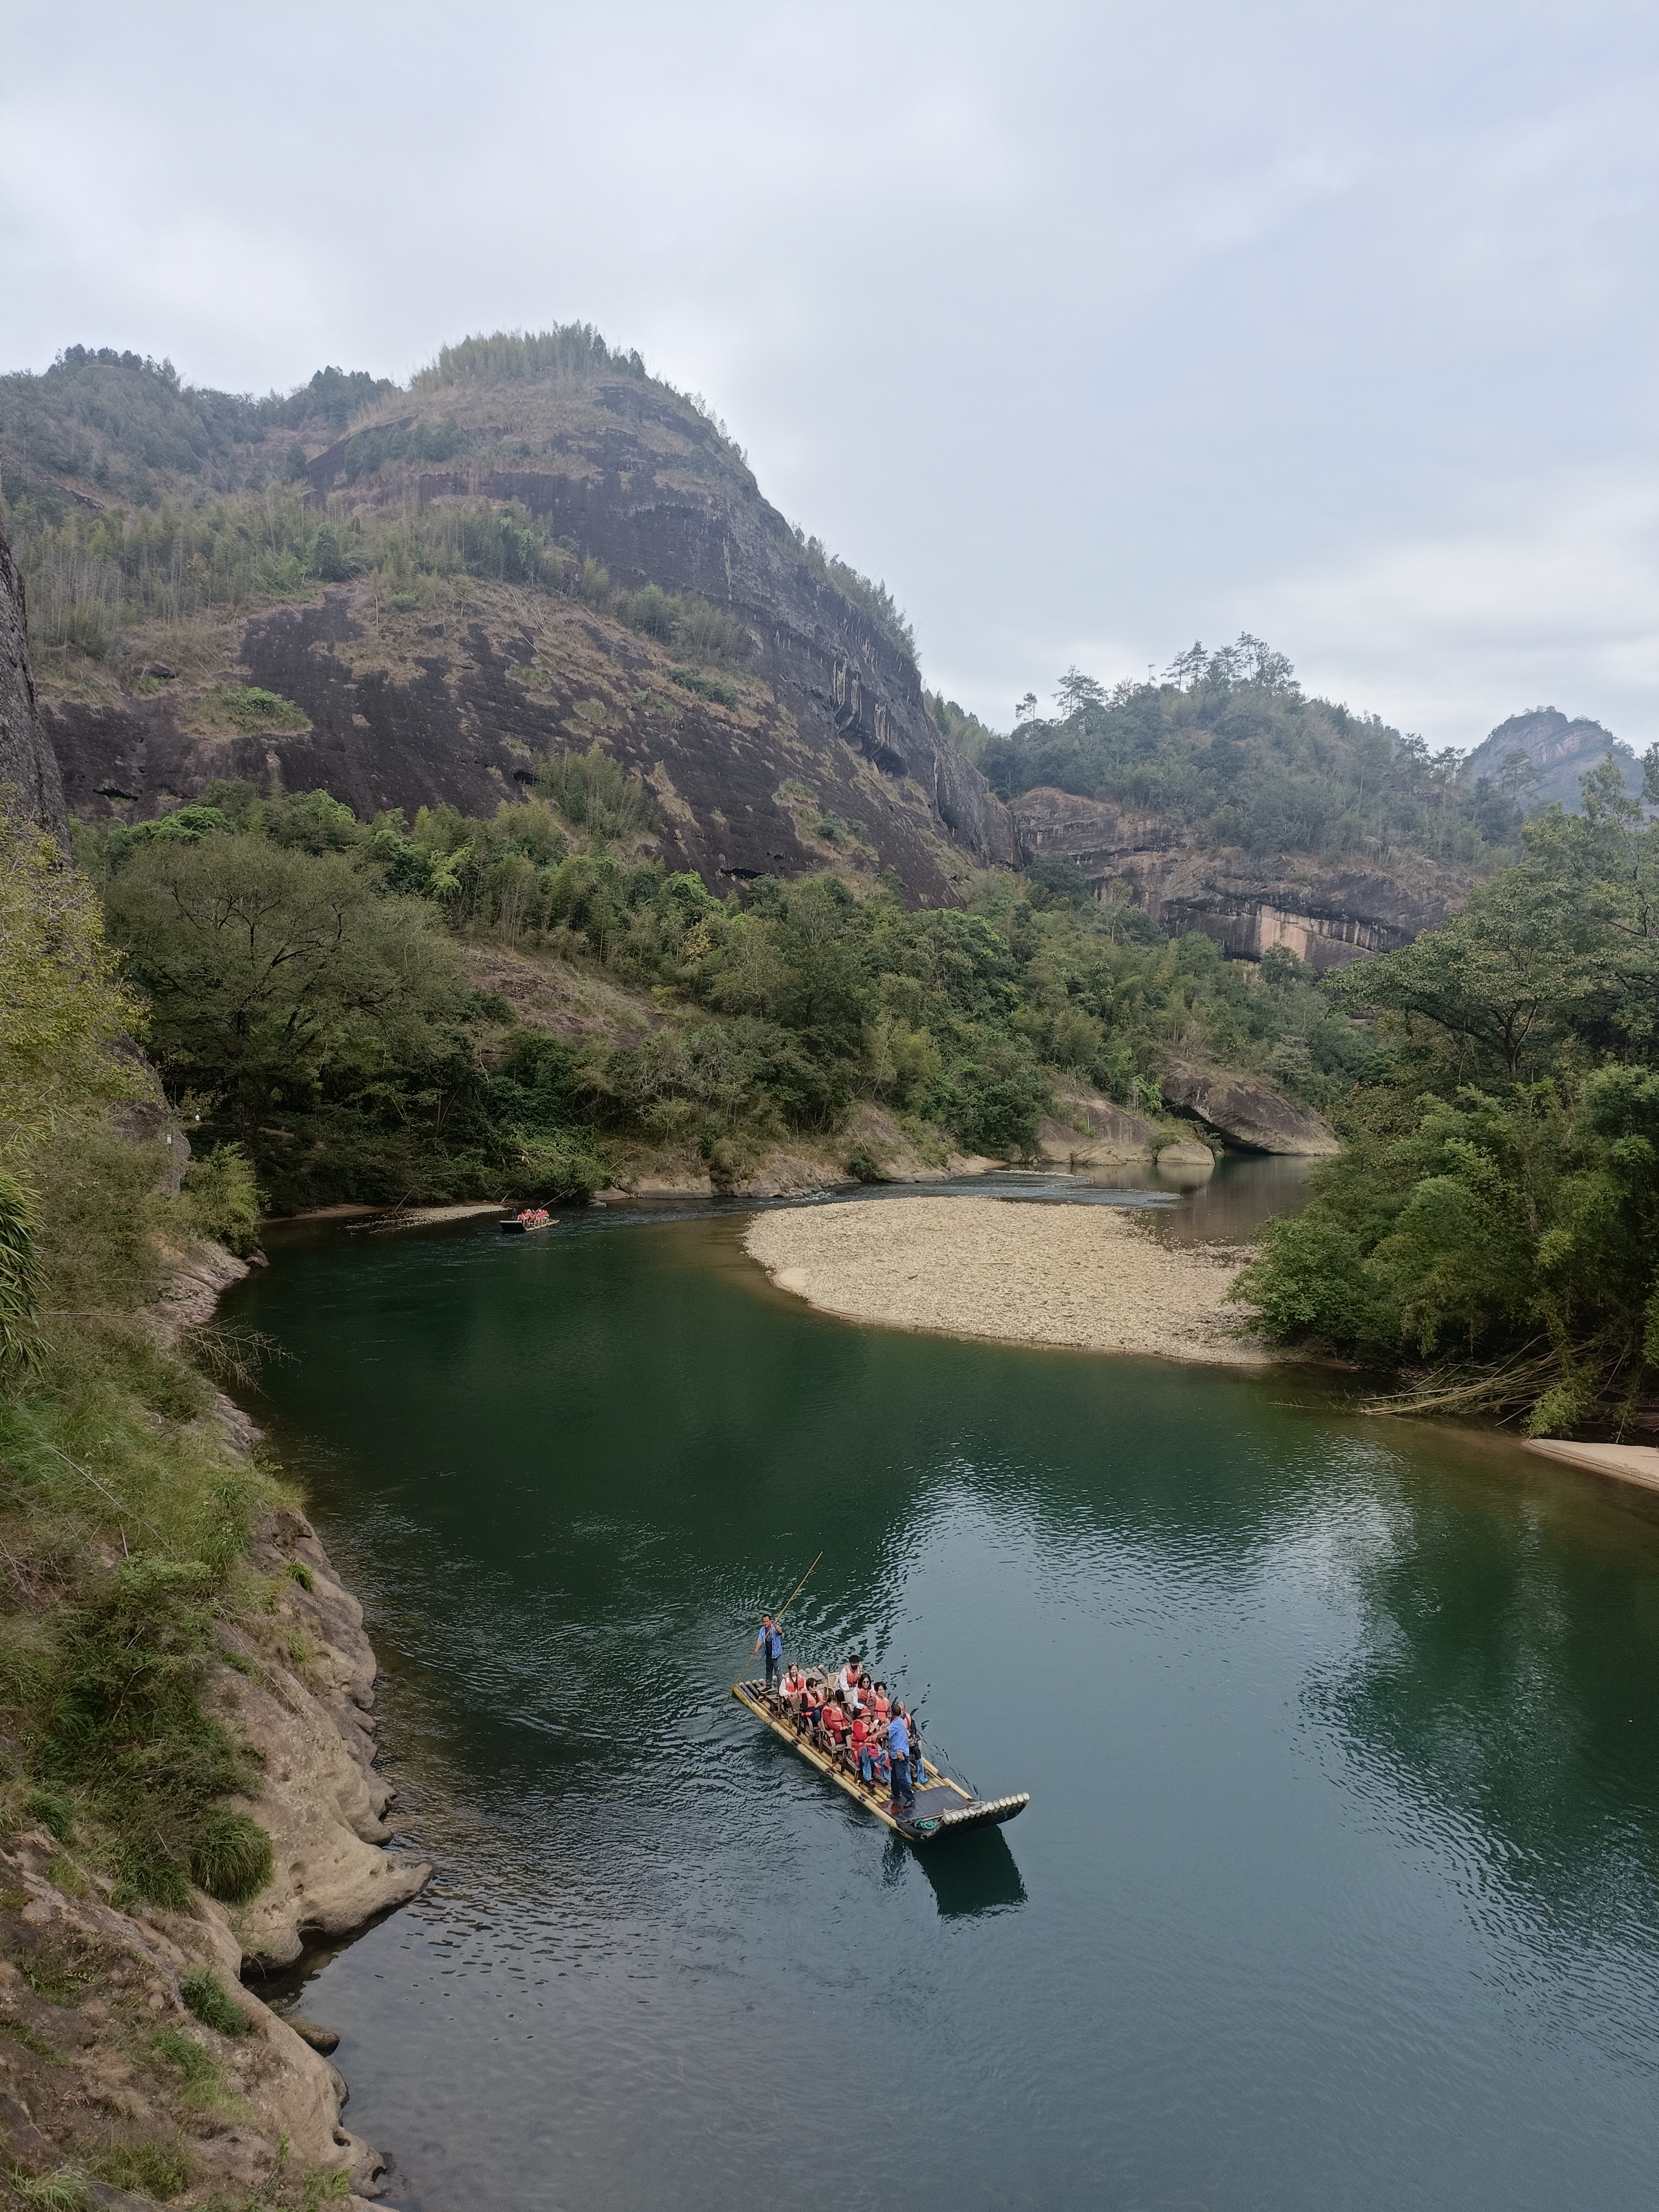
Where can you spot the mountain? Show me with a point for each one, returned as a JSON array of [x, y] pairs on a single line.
[[1221, 798], [1558, 751], [534, 547]]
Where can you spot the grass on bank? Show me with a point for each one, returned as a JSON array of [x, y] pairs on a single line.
[[123, 1516]]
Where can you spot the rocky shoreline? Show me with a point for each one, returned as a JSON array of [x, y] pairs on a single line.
[[87, 1991]]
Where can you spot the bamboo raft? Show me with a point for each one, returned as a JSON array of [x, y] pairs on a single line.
[[943, 1806]]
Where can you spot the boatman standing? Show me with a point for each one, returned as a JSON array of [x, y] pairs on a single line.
[[898, 1747], [770, 1641]]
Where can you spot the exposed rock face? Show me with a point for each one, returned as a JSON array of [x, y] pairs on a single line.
[[634, 478], [1328, 914], [321, 1801], [828, 758], [1248, 1112], [27, 761], [1089, 1131], [68, 2072], [1561, 751], [398, 718]]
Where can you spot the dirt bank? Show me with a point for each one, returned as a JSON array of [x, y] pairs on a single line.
[[1093, 1276]]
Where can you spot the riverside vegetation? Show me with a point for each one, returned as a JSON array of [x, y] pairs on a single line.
[[306, 995], [1494, 1222], [125, 1516]]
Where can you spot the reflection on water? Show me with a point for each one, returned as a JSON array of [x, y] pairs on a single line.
[[1339, 1884], [977, 1874], [1227, 1207]]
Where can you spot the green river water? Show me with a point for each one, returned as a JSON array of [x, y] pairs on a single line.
[[1339, 1883]]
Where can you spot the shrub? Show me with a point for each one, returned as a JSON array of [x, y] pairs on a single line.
[[54, 1813], [230, 1856], [222, 1199], [706, 687], [589, 788], [1311, 1286], [206, 1995], [253, 712]]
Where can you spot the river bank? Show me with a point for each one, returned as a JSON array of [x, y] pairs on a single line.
[[1091, 1277], [132, 2052]]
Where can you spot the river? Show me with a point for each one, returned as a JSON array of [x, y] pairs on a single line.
[[1339, 1883]]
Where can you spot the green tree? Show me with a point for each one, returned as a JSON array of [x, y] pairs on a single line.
[[272, 971]]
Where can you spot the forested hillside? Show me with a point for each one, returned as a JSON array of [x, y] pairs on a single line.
[[1228, 746], [1493, 1226], [308, 982]]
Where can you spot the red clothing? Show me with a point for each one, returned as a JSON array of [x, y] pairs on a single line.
[[834, 1719], [860, 1734]]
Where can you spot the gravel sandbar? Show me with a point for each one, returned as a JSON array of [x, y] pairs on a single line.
[[1084, 1275]]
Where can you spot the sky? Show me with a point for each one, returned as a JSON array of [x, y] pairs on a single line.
[[1091, 330]]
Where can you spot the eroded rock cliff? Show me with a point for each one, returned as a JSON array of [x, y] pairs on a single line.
[[1326, 913], [825, 754], [1560, 753], [456, 707]]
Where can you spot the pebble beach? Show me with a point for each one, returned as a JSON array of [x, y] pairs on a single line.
[[1094, 1276]]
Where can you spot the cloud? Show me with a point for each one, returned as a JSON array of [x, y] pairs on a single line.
[[1076, 323]]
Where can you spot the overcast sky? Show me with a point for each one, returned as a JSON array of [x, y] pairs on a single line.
[[1091, 330]]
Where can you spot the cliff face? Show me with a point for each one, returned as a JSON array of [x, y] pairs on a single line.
[[26, 760], [399, 709], [1326, 913], [827, 754], [631, 476], [1560, 751]]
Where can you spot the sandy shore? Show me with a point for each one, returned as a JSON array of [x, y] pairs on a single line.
[[1084, 1275]]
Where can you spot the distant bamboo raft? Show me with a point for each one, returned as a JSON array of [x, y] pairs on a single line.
[[943, 1806]]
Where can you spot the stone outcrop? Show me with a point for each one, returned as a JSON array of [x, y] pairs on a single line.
[[310, 1722], [27, 761], [1247, 1113], [85, 2064], [1087, 1131], [1187, 1157], [1328, 914], [1560, 751]]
